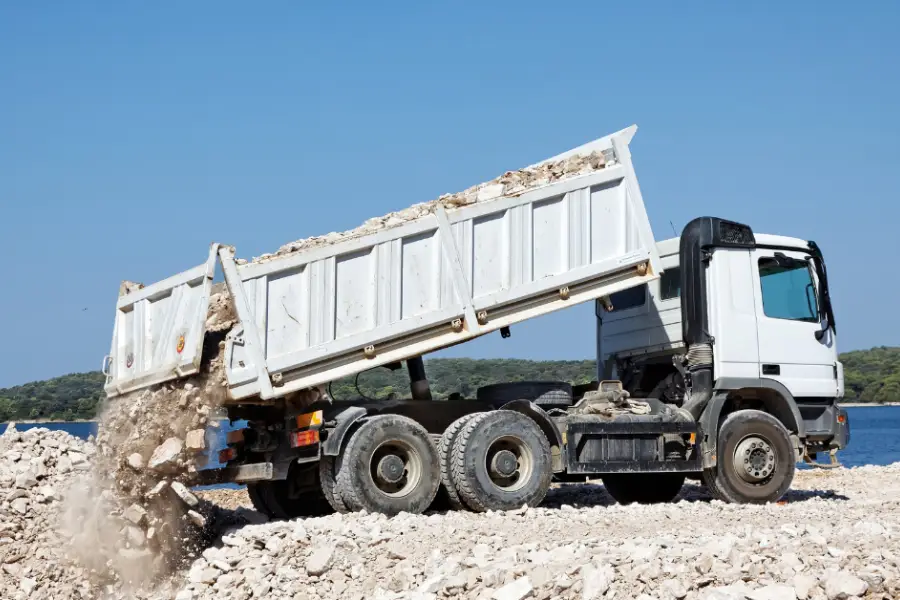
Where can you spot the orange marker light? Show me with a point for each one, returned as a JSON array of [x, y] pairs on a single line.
[[227, 454], [842, 418], [313, 419]]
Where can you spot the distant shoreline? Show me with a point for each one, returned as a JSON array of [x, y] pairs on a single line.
[[864, 404]]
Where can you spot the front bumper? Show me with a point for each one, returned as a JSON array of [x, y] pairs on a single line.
[[827, 426], [842, 437]]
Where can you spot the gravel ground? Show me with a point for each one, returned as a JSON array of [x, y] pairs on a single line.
[[835, 535]]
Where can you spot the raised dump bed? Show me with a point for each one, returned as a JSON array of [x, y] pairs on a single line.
[[567, 230]]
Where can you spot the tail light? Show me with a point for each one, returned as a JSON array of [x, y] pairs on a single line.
[[304, 438]]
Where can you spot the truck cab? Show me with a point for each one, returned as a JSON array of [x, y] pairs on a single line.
[[761, 307]]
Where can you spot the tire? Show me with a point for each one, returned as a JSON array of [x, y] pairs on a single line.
[[481, 440], [328, 466], [709, 480], [643, 488], [542, 393], [256, 498], [279, 505], [445, 451], [389, 442], [742, 432]]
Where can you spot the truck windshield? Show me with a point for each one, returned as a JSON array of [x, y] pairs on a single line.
[[788, 291]]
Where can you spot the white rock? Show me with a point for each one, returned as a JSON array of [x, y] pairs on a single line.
[[195, 440], [803, 584], [16, 493], [840, 585], [196, 518], [77, 458], [320, 560], [674, 589], [516, 590], [135, 536], [432, 584], [596, 580], [728, 592], [135, 461], [166, 455], [157, 489], [207, 575], [27, 584], [63, 464], [20, 505], [26, 480], [135, 513], [773, 592], [184, 494]]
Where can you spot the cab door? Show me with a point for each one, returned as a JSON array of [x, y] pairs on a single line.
[[796, 347]]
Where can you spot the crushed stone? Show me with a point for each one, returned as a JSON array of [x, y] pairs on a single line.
[[511, 183], [837, 534]]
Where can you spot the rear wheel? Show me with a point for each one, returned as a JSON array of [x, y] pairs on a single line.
[[289, 498], [445, 450], [643, 488], [500, 461], [256, 497], [389, 466], [328, 468], [755, 459]]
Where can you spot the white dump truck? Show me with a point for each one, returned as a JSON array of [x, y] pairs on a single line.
[[736, 398]]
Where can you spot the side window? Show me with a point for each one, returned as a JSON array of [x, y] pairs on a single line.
[[630, 298], [670, 284], [788, 291]]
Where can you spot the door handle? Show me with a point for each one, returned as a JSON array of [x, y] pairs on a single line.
[[771, 369]]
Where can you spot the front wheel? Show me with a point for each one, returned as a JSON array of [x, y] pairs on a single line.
[[755, 459], [643, 488]]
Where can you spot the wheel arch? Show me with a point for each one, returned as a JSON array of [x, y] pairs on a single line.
[[733, 393], [345, 421], [548, 427]]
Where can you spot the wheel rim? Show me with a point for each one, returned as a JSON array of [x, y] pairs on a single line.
[[396, 468], [509, 463], [754, 459]]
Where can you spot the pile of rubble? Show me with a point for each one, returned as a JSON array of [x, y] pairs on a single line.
[[511, 183], [835, 536], [36, 468], [125, 519]]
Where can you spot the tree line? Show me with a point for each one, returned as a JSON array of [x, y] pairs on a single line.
[[869, 376]]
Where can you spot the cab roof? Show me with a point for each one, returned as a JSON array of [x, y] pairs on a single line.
[[670, 246]]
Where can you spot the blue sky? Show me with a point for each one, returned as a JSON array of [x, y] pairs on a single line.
[[133, 134]]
